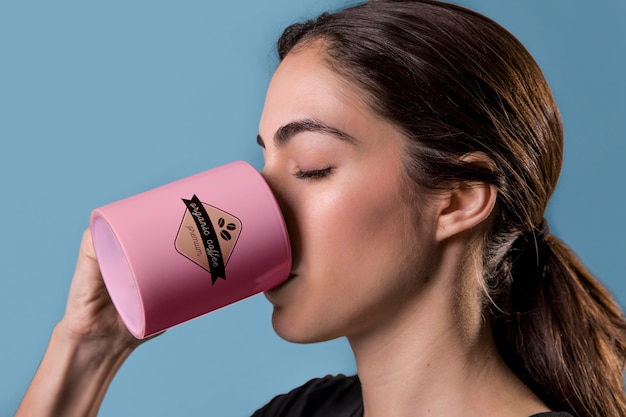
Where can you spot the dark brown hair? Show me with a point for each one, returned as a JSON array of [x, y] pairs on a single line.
[[455, 82]]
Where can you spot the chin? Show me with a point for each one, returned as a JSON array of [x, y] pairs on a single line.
[[289, 329]]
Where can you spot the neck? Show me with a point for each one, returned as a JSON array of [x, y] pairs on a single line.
[[437, 357]]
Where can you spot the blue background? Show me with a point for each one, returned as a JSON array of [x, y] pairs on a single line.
[[101, 100]]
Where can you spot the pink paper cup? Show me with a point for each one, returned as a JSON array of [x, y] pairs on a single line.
[[184, 249]]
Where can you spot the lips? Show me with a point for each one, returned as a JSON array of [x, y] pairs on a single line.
[[279, 286]]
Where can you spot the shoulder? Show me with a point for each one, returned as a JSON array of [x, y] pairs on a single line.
[[330, 396]]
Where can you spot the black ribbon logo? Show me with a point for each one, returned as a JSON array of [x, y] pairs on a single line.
[[209, 238]]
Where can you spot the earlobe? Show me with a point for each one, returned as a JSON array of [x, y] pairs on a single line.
[[467, 205]]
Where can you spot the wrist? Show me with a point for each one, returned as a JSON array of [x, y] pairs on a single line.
[[98, 347], [74, 374]]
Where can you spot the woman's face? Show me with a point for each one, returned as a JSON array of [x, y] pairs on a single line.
[[360, 244]]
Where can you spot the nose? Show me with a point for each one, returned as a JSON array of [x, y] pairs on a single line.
[[268, 179], [274, 186], [282, 195]]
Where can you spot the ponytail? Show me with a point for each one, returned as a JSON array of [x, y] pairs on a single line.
[[560, 331]]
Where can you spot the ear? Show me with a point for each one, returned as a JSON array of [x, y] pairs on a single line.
[[467, 205]]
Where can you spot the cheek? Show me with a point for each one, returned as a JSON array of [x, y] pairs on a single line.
[[319, 219], [359, 227]]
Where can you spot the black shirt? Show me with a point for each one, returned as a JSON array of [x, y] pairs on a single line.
[[331, 396]]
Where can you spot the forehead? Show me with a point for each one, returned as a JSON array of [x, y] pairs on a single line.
[[304, 86]]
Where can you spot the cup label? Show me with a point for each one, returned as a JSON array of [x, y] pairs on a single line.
[[207, 236]]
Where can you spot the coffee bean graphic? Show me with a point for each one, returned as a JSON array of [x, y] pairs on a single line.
[[225, 235], [220, 222], [231, 226]]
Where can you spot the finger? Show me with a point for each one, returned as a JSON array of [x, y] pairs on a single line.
[[87, 284]]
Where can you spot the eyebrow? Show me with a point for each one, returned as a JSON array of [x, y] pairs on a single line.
[[288, 131]]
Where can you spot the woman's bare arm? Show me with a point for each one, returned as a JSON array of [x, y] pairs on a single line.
[[86, 348]]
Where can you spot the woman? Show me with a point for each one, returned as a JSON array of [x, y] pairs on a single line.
[[413, 147]]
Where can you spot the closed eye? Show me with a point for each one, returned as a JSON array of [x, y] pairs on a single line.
[[314, 174]]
